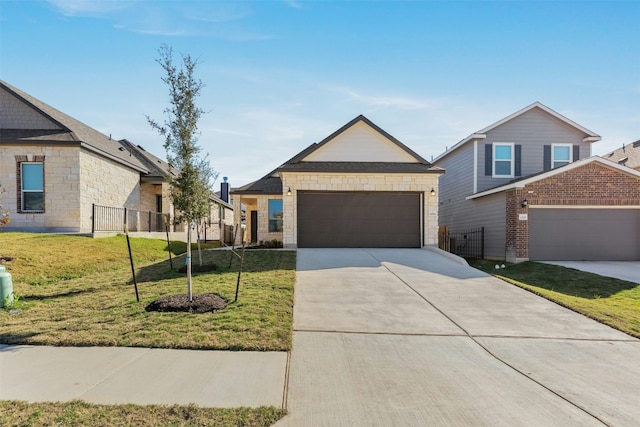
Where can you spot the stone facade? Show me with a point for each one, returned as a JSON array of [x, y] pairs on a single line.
[[61, 187], [422, 183], [74, 179], [261, 205], [105, 182]]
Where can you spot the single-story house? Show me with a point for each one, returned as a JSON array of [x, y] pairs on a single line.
[[61, 175], [358, 187]]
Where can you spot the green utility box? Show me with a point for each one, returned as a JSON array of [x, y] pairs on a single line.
[[6, 287]]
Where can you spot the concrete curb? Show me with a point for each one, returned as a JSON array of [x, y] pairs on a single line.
[[449, 255]]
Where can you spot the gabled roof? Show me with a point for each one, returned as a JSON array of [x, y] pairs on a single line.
[[300, 162], [482, 133], [628, 155], [269, 184], [159, 170], [64, 129], [359, 167], [315, 147], [216, 199], [522, 182], [272, 184]]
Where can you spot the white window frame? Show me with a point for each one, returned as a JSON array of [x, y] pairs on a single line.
[[494, 159], [553, 151], [23, 191]]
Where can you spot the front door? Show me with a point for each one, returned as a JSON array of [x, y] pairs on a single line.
[[254, 226]]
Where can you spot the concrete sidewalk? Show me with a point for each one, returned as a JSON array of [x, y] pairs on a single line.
[[113, 375], [623, 270]]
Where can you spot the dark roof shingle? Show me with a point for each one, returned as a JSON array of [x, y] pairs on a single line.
[[69, 131], [628, 155]]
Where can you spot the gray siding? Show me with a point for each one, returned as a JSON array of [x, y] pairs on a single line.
[[532, 130], [488, 212], [460, 214], [455, 184]]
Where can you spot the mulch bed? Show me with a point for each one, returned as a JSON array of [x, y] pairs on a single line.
[[201, 303]]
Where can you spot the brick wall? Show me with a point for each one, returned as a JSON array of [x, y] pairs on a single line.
[[517, 235], [593, 184]]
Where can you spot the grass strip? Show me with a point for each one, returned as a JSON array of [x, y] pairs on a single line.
[[78, 413]]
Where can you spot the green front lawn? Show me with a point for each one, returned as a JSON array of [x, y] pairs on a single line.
[[77, 291], [611, 301]]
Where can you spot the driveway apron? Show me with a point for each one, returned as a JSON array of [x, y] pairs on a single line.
[[390, 337]]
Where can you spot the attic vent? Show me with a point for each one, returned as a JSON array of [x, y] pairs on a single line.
[[623, 160], [121, 148]]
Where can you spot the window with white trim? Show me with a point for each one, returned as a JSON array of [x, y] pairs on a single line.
[[32, 186], [503, 160], [561, 154]]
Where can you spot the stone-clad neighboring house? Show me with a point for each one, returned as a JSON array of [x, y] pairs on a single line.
[[359, 187], [628, 155], [531, 182], [56, 169]]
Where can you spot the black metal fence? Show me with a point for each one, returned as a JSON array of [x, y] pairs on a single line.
[[108, 218], [467, 244]]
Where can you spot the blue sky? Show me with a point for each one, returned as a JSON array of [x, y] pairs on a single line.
[[281, 75]]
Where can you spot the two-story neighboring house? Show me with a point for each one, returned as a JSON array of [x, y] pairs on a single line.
[[531, 182]]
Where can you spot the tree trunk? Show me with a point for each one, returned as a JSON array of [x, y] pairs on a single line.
[[189, 289], [199, 248]]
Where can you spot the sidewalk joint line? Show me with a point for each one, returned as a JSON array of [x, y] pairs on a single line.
[[113, 372], [285, 392]]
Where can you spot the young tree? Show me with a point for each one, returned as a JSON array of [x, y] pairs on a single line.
[[190, 189]]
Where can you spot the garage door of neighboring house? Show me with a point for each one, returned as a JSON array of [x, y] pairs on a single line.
[[359, 220], [584, 234]]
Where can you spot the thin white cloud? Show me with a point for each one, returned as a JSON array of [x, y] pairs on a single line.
[[223, 20], [383, 101], [293, 3], [90, 8]]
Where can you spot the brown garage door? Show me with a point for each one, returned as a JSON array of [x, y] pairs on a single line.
[[359, 220], [584, 234]]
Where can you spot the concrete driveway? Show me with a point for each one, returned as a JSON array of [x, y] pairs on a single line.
[[623, 270], [409, 337]]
